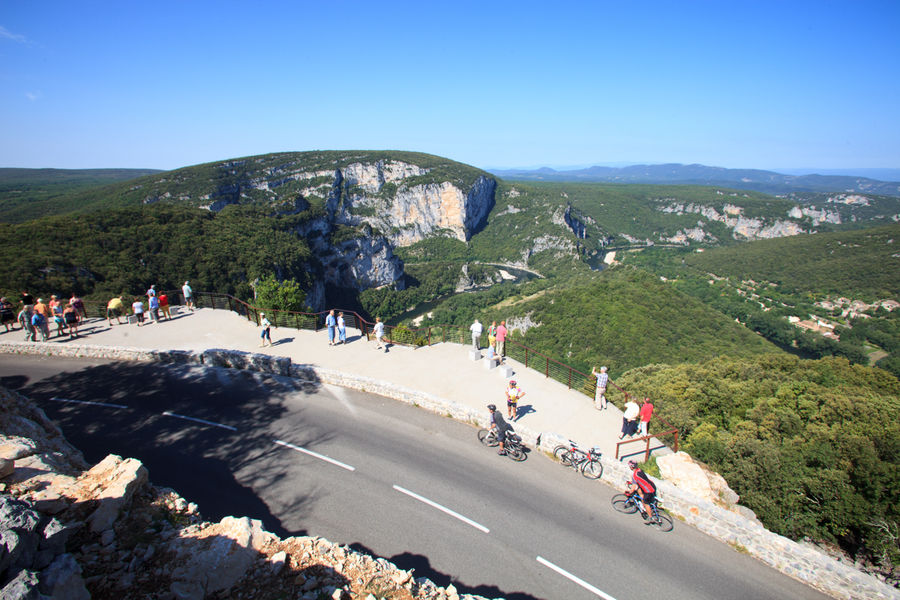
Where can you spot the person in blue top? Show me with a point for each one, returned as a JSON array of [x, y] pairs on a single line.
[[330, 323]]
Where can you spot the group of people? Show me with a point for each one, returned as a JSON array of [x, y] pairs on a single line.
[[635, 419], [337, 329], [157, 306], [496, 350], [35, 317]]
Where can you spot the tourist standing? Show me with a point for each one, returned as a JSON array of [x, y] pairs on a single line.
[[70, 315], [188, 295], [330, 324], [501, 340], [24, 318], [153, 304], [645, 414], [78, 304], [7, 313], [476, 330], [266, 333], [341, 328], [379, 334], [492, 334], [602, 381], [164, 306], [629, 419], [513, 393], [138, 307]]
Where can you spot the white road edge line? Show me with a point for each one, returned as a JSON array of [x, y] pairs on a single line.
[[106, 404], [177, 416], [433, 504], [577, 580], [316, 455]]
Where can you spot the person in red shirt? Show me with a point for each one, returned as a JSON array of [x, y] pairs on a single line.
[[645, 414], [642, 483], [501, 340], [164, 306]]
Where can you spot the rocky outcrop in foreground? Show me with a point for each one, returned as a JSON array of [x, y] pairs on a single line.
[[69, 532]]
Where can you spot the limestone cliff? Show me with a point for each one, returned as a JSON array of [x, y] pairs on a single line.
[[359, 206]]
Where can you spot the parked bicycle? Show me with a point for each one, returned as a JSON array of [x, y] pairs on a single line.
[[631, 503], [513, 445], [588, 462]]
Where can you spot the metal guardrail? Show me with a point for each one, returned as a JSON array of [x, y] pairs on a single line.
[[412, 336]]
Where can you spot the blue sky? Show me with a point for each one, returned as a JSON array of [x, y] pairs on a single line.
[[741, 84]]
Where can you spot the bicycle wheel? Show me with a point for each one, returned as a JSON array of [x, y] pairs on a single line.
[[664, 523], [563, 455], [592, 469], [623, 504], [516, 453], [487, 437]]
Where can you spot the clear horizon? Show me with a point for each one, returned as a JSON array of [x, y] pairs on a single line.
[[736, 85]]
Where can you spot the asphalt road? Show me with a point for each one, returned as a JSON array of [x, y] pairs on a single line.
[[383, 477]]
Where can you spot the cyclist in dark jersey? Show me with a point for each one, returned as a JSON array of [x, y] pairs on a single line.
[[500, 427], [641, 482]]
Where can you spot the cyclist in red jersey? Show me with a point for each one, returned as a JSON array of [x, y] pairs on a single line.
[[641, 482]]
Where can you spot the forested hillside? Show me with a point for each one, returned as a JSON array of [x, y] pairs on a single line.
[[33, 193], [823, 277], [623, 319], [813, 447], [124, 250], [864, 264]]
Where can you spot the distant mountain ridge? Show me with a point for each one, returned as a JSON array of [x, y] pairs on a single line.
[[758, 180]]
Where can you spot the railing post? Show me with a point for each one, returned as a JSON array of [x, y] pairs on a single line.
[[547, 367], [570, 378]]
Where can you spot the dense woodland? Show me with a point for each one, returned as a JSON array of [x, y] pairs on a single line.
[[801, 426], [812, 446]]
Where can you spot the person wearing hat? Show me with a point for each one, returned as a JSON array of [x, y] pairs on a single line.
[[513, 393], [188, 295], [266, 330], [602, 381], [499, 426]]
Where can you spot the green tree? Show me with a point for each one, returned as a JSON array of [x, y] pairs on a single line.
[[280, 295]]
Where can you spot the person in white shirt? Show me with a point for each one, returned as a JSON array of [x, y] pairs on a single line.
[[476, 330]]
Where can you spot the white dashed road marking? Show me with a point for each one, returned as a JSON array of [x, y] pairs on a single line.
[[316, 455], [575, 579], [177, 416], [444, 509], [103, 404]]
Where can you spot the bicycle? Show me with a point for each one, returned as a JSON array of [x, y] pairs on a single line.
[[513, 445], [587, 462], [631, 503]]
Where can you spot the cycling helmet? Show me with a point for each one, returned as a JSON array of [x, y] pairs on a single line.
[[492, 407], [632, 464], [512, 382]]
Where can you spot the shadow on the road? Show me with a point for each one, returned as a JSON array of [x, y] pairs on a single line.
[[197, 460], [423, 568], [286, 340]]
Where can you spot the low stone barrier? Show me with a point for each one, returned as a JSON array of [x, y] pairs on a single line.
[[743, 534]]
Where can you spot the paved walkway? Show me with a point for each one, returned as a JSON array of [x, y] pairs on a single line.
[[443, 370]]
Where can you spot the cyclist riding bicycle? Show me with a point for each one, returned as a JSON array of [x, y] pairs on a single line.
[[641, 482], [499, 426]]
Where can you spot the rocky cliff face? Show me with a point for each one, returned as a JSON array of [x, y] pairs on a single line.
[[372, 204], [742, 227]]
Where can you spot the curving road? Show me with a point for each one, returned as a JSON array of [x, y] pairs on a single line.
[[383, 477]]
